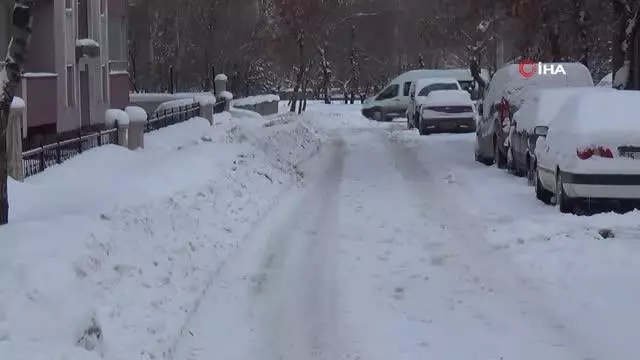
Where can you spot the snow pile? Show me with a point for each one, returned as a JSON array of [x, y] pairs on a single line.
[[205, 100], [542, 105], [175, 103], [606, 81], [242, 113], [17, 103], [113, 117], [108, 254], [87, 42], [226, 95], [221, 77], [136, 114], [255, 100]]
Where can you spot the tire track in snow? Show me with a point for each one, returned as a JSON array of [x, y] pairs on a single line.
[[485, 273]]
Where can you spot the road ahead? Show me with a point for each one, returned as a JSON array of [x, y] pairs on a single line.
[[385, 253]]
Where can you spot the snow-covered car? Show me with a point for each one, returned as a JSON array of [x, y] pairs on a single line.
[[419, 92], [539, 108], [445, 111], [504, 96], [590, 151]]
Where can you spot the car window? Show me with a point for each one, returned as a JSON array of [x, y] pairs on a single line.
[[389, 93], [434, 87], [407, 86], [466, 85]]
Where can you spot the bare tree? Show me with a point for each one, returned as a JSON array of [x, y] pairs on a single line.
[[22, 19]]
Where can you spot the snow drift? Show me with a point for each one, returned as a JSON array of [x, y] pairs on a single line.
[[107, 254]]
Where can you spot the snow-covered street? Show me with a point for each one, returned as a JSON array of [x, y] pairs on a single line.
[[251, 241]]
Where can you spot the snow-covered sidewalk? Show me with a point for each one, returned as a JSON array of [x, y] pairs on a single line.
[[113, 249]]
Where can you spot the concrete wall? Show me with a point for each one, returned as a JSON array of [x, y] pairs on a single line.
[[39, 93], [119, 88]]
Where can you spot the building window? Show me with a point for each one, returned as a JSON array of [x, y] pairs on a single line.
[[70, 86], [68, 4], [105, 84], [117, 38], [84, 10]]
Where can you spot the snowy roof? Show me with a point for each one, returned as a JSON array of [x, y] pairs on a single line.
[[543, 104], [421, 83]]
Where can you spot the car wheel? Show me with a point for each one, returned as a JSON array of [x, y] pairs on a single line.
[[423, 129], [565, 203], [377, 115], [500, 160], [542, 194]]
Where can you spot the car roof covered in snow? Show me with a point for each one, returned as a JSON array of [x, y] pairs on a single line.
[[541, 105], [421, 83], [458, 74], [601, 112], [509, 83], [449, 94]]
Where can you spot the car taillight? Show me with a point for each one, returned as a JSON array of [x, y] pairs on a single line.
[[600, 151]]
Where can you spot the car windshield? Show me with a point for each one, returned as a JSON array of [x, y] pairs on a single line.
[[435, 87]]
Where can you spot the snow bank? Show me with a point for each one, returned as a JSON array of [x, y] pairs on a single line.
[[115, 116], [254, 100], [17, 103], [128, 241], [242, 113], [136, 113]]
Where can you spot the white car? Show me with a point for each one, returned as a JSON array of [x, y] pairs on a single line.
[[590, 151], [446, 111], [420, 90]]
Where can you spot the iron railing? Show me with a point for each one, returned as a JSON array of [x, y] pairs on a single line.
[[38, 159], [171, 116]]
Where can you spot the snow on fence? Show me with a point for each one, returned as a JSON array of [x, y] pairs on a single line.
[[172, 115], [262, 104], [35, 160]]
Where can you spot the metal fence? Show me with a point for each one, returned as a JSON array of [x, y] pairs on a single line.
[[38, 159], [171, 116]]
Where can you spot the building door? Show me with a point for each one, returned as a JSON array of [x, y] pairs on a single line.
[[85, 101]]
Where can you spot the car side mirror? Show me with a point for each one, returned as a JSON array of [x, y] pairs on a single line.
[[541, 130]]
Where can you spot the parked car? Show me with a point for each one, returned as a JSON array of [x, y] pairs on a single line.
[[539, 108], [419, 92], [445, 111], [393, 100], [590, 152], [505, 95]]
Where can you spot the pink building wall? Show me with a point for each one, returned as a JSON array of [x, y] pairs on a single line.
[[119, 90]]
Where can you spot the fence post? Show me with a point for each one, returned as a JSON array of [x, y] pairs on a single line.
[[123, 130], [171, 85], [137, 123], [42, 165], [213, 82]]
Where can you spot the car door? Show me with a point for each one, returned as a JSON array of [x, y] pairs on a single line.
[[545, 160], [389, 98]]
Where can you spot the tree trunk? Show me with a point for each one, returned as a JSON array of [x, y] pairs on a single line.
[[22, 20], [583, 26]]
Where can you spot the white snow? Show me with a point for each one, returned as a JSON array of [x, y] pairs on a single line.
[[141, 97], [541, 105], [607, 80], [450, 95], [39, 75], [136, 114], [221, 77], [175, 103], [254, 100], [390, 245], [622, 74], [87, 42], [113, 116], [205, 100], [131, 239], [17, 103], [226, 95]]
